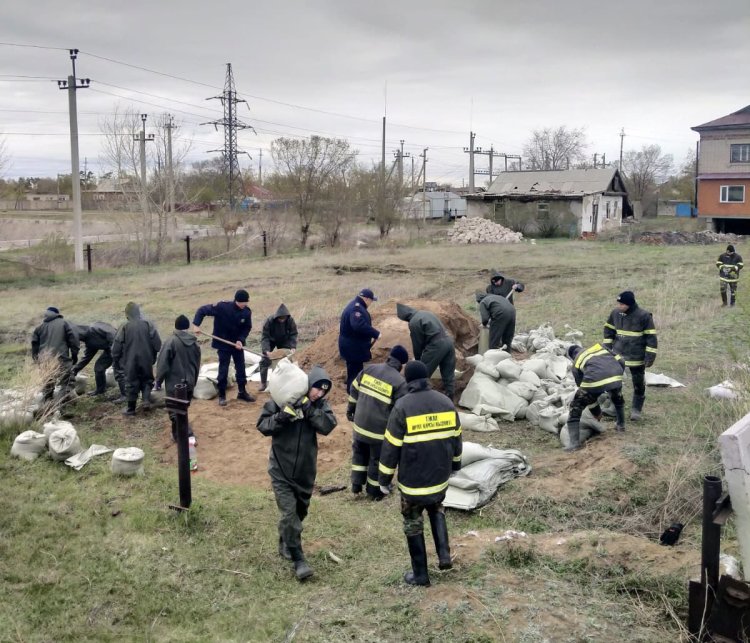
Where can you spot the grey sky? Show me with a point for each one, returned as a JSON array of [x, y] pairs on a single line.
[[499, 67]]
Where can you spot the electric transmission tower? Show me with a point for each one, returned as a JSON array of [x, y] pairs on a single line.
[[231, 125]]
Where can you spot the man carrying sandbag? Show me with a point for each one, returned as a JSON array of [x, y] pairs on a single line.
[[596, 370], [431, 344], [371, 398], [98, 337], [233, 322], [134, 351], [56, 337], [292, 462], [279, 331], [500, 314], [179, 363]]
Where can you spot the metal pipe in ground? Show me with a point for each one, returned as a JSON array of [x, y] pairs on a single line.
[[711, 540], [177, 406]]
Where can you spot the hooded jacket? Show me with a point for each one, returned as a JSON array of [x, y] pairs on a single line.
[[97, 337], [729, 265], [597, 369], [55, 336], [373, 394], [423, 440], [179, 361], [231, 322], [631, 334], [136, 343], [294, 435], [494, 307], [278, 334], [503, 289], [424, 327], [356, 333]]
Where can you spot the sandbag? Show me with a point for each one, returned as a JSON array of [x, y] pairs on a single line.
[[205, 389], [29, 445], [530, 377], [482, 423], [549, 418], [63, 444], [496, 355], [15, 414], [509, 370], [48, 428], [557, 367], [287, 383], [589, 428], [523, 389], [81, 383], [109, 375], [518, 345], [211, 372], [127, 461], [474, 360], [488, 369]]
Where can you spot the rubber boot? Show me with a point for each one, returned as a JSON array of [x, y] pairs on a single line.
[[146, 392], [724, 298], [732, 298], [129, 411], [101, 385], [301, 569], [243, 395], [222, 397], [574, 435], [440, 536], [263, 380], [418, 574], [284, 550], [635, 411], [620, 422]]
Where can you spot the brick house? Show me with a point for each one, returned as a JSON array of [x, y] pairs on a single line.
[[724, 172]]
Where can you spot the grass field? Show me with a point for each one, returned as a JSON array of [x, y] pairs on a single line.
[[85, 556]]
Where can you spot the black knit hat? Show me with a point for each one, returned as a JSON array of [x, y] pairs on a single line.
[[415, 370], [400, 353], [241, 296], [52, 309], [626, 297], [573, 351], [730, 248], [182, 323]]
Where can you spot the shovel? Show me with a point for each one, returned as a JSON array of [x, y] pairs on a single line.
[[226, 341]]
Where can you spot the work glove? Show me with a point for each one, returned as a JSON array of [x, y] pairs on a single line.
[[518, 287], [157, 386], [350, 412], [282, 417], [385, 490], [649, 360]]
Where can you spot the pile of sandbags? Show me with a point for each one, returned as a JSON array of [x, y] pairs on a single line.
[[478, 230], [16, 408], [206, 388], [543, 339]]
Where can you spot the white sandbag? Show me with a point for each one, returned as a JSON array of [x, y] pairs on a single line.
[[530, 377], [549, 418], [109, 375], [81, 383], [489, 410], [557, 367], [63, 444], [14, 414], [659, 379], [474, 359], [482, 390], [205, 389], [519, 346], [589, 428], [158, 398], [482, 423], [48, 428], [29, 445], [532, 412], [495, 356], [509, 370], [251, 359], [523, 389], [538, 343], [127, 461], [211, 372], [539, 394], [488, 369], [537, 366], [726, 390], [287, 383]]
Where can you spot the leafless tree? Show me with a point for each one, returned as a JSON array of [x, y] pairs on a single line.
[[555, 148], [644, 169], [305, 169]]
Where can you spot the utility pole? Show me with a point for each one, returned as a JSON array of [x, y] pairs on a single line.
[[595, 157], [381, 193], [169, 126], [470, 151], [424, 181], [412, 175], [75, 171], [231, 125], [142, 138], [260, 167], [492, 154], [622, 136], [400, 156]]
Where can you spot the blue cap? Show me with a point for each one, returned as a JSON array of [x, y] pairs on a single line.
[[367, 293]]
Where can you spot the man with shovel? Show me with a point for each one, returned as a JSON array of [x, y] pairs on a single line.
[[500, 315], [279, 331], [232, 324]]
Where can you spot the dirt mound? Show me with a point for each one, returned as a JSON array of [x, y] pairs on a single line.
[[704, 237], [325, 349]]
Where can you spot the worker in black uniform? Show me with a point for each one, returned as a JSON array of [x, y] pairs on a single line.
[[179, 363], [98, 337], [629, 331], [134, 350], [596, 370], [500, 315], [431, 344], [292, 462], [729, 264], [357, 334], [371, 398], [503, 286], [233, 322], [279, 331], [56, 337], [423, 441]]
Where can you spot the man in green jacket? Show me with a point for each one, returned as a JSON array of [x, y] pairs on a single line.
[[431, 344], [56, 337], [292, 462], [279, 331], [500, 315]]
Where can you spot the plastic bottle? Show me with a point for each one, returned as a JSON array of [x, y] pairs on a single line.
[[193, 453]]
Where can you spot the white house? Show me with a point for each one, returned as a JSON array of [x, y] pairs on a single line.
[[433, 205]]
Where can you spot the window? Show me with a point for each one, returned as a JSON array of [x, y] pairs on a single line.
[[542, 209], [739, 153], [732, 194], [608, 208]]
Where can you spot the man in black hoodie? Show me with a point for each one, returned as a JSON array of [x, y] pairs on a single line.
[[98, 337], [179, 363], [56, 337], [134, 351], [503, 286], [500, 314], [292, 462], [279, 331]]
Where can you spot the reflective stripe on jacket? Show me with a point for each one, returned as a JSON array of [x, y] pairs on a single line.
[[597, 368], [374, 392], [729, 265], [631, 334]]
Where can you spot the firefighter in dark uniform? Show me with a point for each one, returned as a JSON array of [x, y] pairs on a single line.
[[500, 314], [729, 264], [56, 337], [134, 352], [596, 370], [279, 331], [373, 393], [233, 322], [503, 286], [423, 440], [431, 344], [630, 332], [356, 334], [292, 462], [98, 337], [179, 363]]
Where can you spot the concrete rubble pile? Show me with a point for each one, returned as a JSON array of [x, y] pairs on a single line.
[[470, 230]]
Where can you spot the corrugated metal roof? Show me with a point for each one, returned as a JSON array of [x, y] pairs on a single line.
[[562, 182], [735, 119]]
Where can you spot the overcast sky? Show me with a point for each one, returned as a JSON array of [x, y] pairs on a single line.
[[498, 67]]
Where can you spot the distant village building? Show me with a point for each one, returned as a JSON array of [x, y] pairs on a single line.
[[724, 172], [431, 205], [111, 194], [674, 208], [547, 202]]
